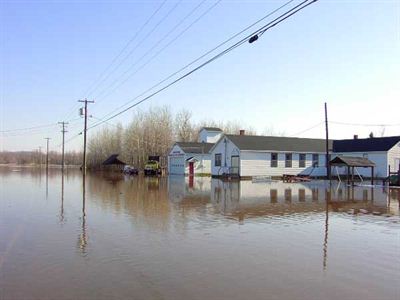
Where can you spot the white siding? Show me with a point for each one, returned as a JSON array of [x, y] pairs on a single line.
[[219, 148], [177, 164], [379, 158], [259, 164], [209, 136], [394, 158]]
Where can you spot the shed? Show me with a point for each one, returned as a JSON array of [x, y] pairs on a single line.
[[353, 162], [113, 160]]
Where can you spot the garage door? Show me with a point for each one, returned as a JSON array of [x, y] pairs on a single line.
[[176, 165]]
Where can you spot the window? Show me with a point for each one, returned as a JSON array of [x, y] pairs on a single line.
[[288, 160], [302, 160], [315, 160], [218, 158], [274, 160]]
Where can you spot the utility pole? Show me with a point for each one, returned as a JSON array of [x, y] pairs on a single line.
[[40, 156], [84, 134], [47, 153], [328, 169], [63, 131]]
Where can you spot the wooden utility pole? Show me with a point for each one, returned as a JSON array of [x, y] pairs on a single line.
[[47, 153], [84, 134], [40, 156], [63, 131], [328, 168]]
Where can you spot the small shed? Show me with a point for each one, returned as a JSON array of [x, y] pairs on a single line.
[[113, 162], [352, 162]]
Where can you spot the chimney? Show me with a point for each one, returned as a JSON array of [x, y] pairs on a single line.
[[241, 132], [355, 136]]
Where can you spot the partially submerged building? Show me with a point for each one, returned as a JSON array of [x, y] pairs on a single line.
[[384, 152], [249, 155], [193, 158]]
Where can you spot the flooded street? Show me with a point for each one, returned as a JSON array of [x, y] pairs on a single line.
[[202, 238]]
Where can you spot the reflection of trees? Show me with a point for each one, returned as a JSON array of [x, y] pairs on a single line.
[[140, 197]]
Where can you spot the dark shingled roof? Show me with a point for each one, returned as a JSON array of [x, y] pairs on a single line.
[[195, 147], [211, 129], [351, 161], [364, 145], [113, 160], [278, 143]]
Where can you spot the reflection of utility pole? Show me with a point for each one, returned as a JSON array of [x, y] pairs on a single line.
[[327, 201], [47, 153], [84, 133], [63, 131]]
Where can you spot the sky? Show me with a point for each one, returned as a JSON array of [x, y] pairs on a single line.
[[53, 53]]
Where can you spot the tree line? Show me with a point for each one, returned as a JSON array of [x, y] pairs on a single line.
[[150, 132], [38, 158]]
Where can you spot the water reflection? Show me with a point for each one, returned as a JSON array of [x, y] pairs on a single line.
[[202, 238], [83, 238]]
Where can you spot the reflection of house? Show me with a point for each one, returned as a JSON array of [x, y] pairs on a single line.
[[248, 156], [383, 151], [193, 158], [245, 198]]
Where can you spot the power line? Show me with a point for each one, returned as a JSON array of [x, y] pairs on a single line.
[[308, 129], [138, 44], [94, 85], [366, 125], [200, 57], [102, 94], [263, 29]]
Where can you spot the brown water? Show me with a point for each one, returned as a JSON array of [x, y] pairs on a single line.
[[175, 238]]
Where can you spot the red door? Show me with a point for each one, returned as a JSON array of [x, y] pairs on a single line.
[[191, 168]]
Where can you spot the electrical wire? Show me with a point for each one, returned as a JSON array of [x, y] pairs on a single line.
[[202, 56], [103, 93], [365, 125], [305, 130], [138, 44], [263, 29], [93, 86]]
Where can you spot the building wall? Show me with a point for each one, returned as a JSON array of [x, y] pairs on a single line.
[[394, 158], [379, 158], [259, 164], [230, 150], [177, 164], [209, 136]]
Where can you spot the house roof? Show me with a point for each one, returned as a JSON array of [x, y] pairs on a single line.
[[113, 160], [351, 161], [211, 129], [366, 145], [195, 147], [278, 143]]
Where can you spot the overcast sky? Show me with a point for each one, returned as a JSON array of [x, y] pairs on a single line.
[[343, 52]]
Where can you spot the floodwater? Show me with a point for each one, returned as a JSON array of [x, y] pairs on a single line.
[[177, 238]]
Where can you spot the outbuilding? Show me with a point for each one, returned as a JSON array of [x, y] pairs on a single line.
[[248, 156], [384, 152], [193, 158], [189, 158]]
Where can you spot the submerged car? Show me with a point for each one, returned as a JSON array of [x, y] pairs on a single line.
[[130, 170]]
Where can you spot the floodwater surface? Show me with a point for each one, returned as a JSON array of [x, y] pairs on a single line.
[[184, 238]]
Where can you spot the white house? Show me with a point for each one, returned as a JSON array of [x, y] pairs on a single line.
[[193, 158], [249, 156], [383, 151], [209, 134]]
